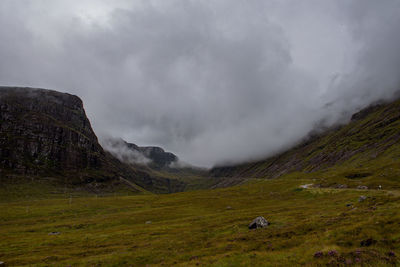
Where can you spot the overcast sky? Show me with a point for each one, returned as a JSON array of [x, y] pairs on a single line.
[[212, 81]]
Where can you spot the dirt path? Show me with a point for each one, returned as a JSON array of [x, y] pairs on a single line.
[[395, 193]]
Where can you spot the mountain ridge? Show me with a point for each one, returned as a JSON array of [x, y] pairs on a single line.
[[153, 156], [371, 135], [45, 133]]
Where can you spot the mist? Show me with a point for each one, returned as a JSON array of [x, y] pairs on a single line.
[[119, 149], [215, 82]]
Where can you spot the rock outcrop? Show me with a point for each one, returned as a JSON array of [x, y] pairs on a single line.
[[43, 130], [158, 156], [45, 133], [154, 157]]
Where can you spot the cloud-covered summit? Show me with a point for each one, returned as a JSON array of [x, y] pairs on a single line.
[[212, 81]]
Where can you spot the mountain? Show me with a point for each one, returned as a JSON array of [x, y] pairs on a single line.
[[45, 133], [319, 211], [164, 164], [154, 157], [367, 146], [158, 156]]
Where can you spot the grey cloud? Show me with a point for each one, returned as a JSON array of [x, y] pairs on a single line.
[[121, 151], [212, 81], [376, 71]]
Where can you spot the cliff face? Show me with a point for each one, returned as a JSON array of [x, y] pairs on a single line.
[[159, 157], [43, 130], [151, 156], [45, 133]]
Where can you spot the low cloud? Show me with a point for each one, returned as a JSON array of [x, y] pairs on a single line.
[[119, 149], [212, 81]]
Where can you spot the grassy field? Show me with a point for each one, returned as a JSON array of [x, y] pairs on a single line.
[[206, 227]]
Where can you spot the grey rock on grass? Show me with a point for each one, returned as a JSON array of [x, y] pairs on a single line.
[[362, 198], [54, 233], [259, 222]]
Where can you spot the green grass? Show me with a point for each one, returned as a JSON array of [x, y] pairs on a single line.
[[198, 228], [370, 142]]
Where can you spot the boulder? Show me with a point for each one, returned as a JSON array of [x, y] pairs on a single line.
[[259, 222]]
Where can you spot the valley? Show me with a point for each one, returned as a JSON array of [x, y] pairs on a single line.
[[199, 133], [206, 227], [332, 199]]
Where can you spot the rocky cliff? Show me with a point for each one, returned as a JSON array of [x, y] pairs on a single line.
[[152, 156], [158, 156], [43, 130], [47, 133]]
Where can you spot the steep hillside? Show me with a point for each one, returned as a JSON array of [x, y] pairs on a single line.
[[45, 133], [159, 157], [365, 147], [45, 130], [154, 157], [163, 164]]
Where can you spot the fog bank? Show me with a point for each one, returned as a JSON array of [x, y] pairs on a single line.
[[212, 81]]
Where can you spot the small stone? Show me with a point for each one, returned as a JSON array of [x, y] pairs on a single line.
[[148, 222], [258, 222], [54, 233], [2, 263], [362, 187], [228, 207], [362, 198]]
